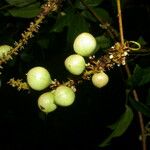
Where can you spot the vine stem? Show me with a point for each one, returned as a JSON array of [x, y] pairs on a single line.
[[141, 121], [135, 95], [104, 24], [139, 113], [120, 22]]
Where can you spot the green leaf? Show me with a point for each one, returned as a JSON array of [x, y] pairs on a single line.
[[145, 77], [141, 76], [120, 126], [103, 14], [20, 3], [62, 21], [136, 76], [74, 22], [145, 110], [100, 12], [103, 42], [77, 26], [26, 12], [88, 15], [78, 4]]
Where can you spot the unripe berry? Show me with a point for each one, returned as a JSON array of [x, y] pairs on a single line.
[[64, 96], [46, 102], [4, 49], [75, 64], [100, 79], [38, 78], [84, 44]]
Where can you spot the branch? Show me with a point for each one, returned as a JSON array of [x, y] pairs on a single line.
[[129, 75], [135, 95], [120, 22], [110, 31], [103, 25]]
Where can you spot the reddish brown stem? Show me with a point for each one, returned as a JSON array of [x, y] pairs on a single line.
[[103, 25], [135, 95], [141, 121], [120, 22]]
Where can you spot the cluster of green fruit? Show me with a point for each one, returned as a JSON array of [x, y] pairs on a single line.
[[84, 46], [38, 78]]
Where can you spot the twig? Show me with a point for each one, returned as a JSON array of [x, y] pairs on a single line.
[[120, 22], [103, 25], [110, 29], [129, 75], [141, 121]]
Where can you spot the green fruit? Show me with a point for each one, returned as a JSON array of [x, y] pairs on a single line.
[[64, 96], [100, 79], [46, 102], [84, 44], [38, 78], [4, 49], [75, 64]]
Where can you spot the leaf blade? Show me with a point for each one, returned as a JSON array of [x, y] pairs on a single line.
[[140, 77], [80, 26], [145, 110], [92, 3], [20, 3], [26, 12], [119, 127]]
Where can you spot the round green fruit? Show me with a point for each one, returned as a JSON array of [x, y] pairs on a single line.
[[38, 78], [84, 44], [75, 64], [4, 49], [46, 102], [64, 96], [100, 79]]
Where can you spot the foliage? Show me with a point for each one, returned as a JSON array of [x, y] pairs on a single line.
[[120, 126], [54, 41]]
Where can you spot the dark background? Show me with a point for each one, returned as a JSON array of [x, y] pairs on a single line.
[[81, 125]]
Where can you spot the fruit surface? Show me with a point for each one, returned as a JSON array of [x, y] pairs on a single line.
[[100, 79], [4, 49], [84, 44], [64, 96], [46, 102], [38, 78], [75, 64]]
